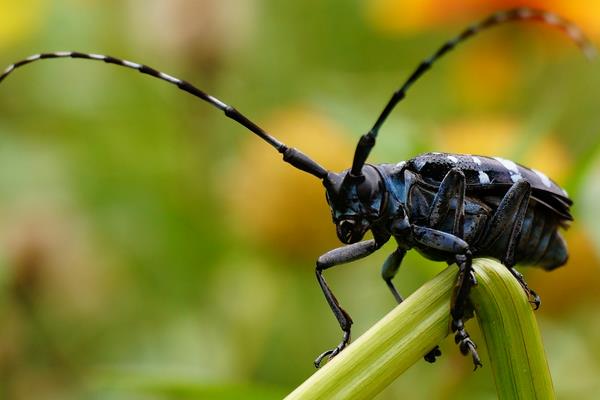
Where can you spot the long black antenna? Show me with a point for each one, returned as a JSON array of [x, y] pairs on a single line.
[[367, 141], [290, 155]]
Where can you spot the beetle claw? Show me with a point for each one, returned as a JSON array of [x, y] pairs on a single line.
[[537, 301], [433, 354], [533, 297], [319, 359], [465, 343], [333, 352]]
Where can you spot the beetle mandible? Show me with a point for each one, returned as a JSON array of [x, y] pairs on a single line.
[[449, 207]]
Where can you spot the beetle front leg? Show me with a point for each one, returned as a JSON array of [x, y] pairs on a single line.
[[341, 255]]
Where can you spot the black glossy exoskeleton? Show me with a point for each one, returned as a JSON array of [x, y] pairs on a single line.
[[449, 207]]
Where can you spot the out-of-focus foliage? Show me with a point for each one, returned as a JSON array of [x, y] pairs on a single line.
[[151, 248]]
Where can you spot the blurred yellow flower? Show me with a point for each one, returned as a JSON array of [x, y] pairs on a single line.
[[281, 205], [19, 19]]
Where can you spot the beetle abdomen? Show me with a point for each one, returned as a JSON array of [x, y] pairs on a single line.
[[540, 243]]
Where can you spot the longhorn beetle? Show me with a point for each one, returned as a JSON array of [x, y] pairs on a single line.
[[450, 207]]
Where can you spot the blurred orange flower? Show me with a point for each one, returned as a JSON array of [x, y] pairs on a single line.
[[495, 60], [409, 16]]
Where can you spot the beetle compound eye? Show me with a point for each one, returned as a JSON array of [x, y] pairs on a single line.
[[365, 191], [369, 187]]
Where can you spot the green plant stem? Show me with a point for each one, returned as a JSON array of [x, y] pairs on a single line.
[[422, 321], [511, 334], [389, 348]]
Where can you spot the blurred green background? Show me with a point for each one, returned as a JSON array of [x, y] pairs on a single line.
[[151, 249]]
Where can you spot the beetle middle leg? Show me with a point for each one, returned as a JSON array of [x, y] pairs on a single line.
[[389, 270], [451, 194], [448, 243], [450, 198], [330, 259]]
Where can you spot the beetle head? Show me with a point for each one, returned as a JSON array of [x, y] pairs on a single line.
[[355, 202]]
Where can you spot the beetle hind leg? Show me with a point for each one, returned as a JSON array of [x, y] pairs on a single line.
[[507, 221], [534, 298]]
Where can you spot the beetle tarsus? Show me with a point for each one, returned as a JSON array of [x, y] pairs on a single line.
[[537, 301], [335, 351], [433, 354], [532, 296], [465, 343]]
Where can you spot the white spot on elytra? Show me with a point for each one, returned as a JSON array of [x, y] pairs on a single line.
[[453, 159], [509, 165], [516, 177], [400, 164], [543, 177], [483, 178], [476, 160]]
